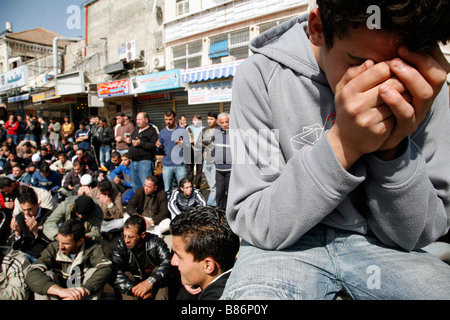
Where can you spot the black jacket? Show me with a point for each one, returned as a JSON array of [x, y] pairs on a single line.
[[106, 136], [151, 258], [214, 290], [146, 150], [27, 242]]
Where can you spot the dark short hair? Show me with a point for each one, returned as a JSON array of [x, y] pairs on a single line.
[[136, 221], [104, 185], [153, 179], [206, 233], [212, 114], [420, 24], [45, 167], [115, 154], [5, 182], [76, 163], [169, 113], [73, 227], [183, 181], [18, 165], [27, 195]]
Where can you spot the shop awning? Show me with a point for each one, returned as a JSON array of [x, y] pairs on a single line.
[[215, 71]]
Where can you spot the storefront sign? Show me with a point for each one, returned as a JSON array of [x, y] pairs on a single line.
[[23, 97], [154, 97], [15, 78], [113, 88], [209, 92], [44, 95], [165, 80]]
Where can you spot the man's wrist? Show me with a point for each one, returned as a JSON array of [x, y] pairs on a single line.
[[151, 280]]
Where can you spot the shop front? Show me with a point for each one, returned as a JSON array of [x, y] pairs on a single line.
[[209, 89], [115, 97], [155, 93], [48, 104]]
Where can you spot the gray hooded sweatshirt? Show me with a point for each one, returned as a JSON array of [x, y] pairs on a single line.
[[285, 177]]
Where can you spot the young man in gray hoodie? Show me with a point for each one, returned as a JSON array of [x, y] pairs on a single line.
[[340, 134]]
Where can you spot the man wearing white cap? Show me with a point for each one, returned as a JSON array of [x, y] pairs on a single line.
[[72, 181]]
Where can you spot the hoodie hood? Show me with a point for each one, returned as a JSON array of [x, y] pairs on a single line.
[[283, 44]]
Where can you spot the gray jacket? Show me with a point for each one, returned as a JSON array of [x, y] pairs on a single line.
[[285, 177]]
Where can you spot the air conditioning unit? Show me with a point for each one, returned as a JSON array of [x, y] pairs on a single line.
[[132, 50], [158, 62]]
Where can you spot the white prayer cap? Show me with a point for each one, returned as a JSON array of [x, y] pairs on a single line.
[[86, 180]]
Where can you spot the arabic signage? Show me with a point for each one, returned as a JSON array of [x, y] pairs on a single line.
[[209, 92], [44, 95], [165, 80], [154, 97], [113, 88], [15, 78]]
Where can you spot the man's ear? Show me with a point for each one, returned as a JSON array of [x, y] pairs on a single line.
[[315, 28], [210, 266]]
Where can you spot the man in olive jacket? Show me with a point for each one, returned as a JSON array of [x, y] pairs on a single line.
[[141, 263], [82, 207], [72, 268]]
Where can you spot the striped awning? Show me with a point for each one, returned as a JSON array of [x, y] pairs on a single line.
[[215, 71]]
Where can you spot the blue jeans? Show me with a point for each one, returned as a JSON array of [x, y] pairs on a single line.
[[15, 138], [105, 154], [169, 172], [140, 170], [30, 137], [327, 260], [210, 174]]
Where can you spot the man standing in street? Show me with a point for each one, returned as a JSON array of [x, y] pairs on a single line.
[[194, 130], [142, 150], [124, 130], [83, 136], [54, 129], [175, 144], [222, 157], [106, 139], [68, 129], [207, 146]]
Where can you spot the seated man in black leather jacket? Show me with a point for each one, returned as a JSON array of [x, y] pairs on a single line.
[[141, 263]]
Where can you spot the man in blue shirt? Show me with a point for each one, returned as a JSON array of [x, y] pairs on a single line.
[[83, 136], [175, 144], [47, 179]]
